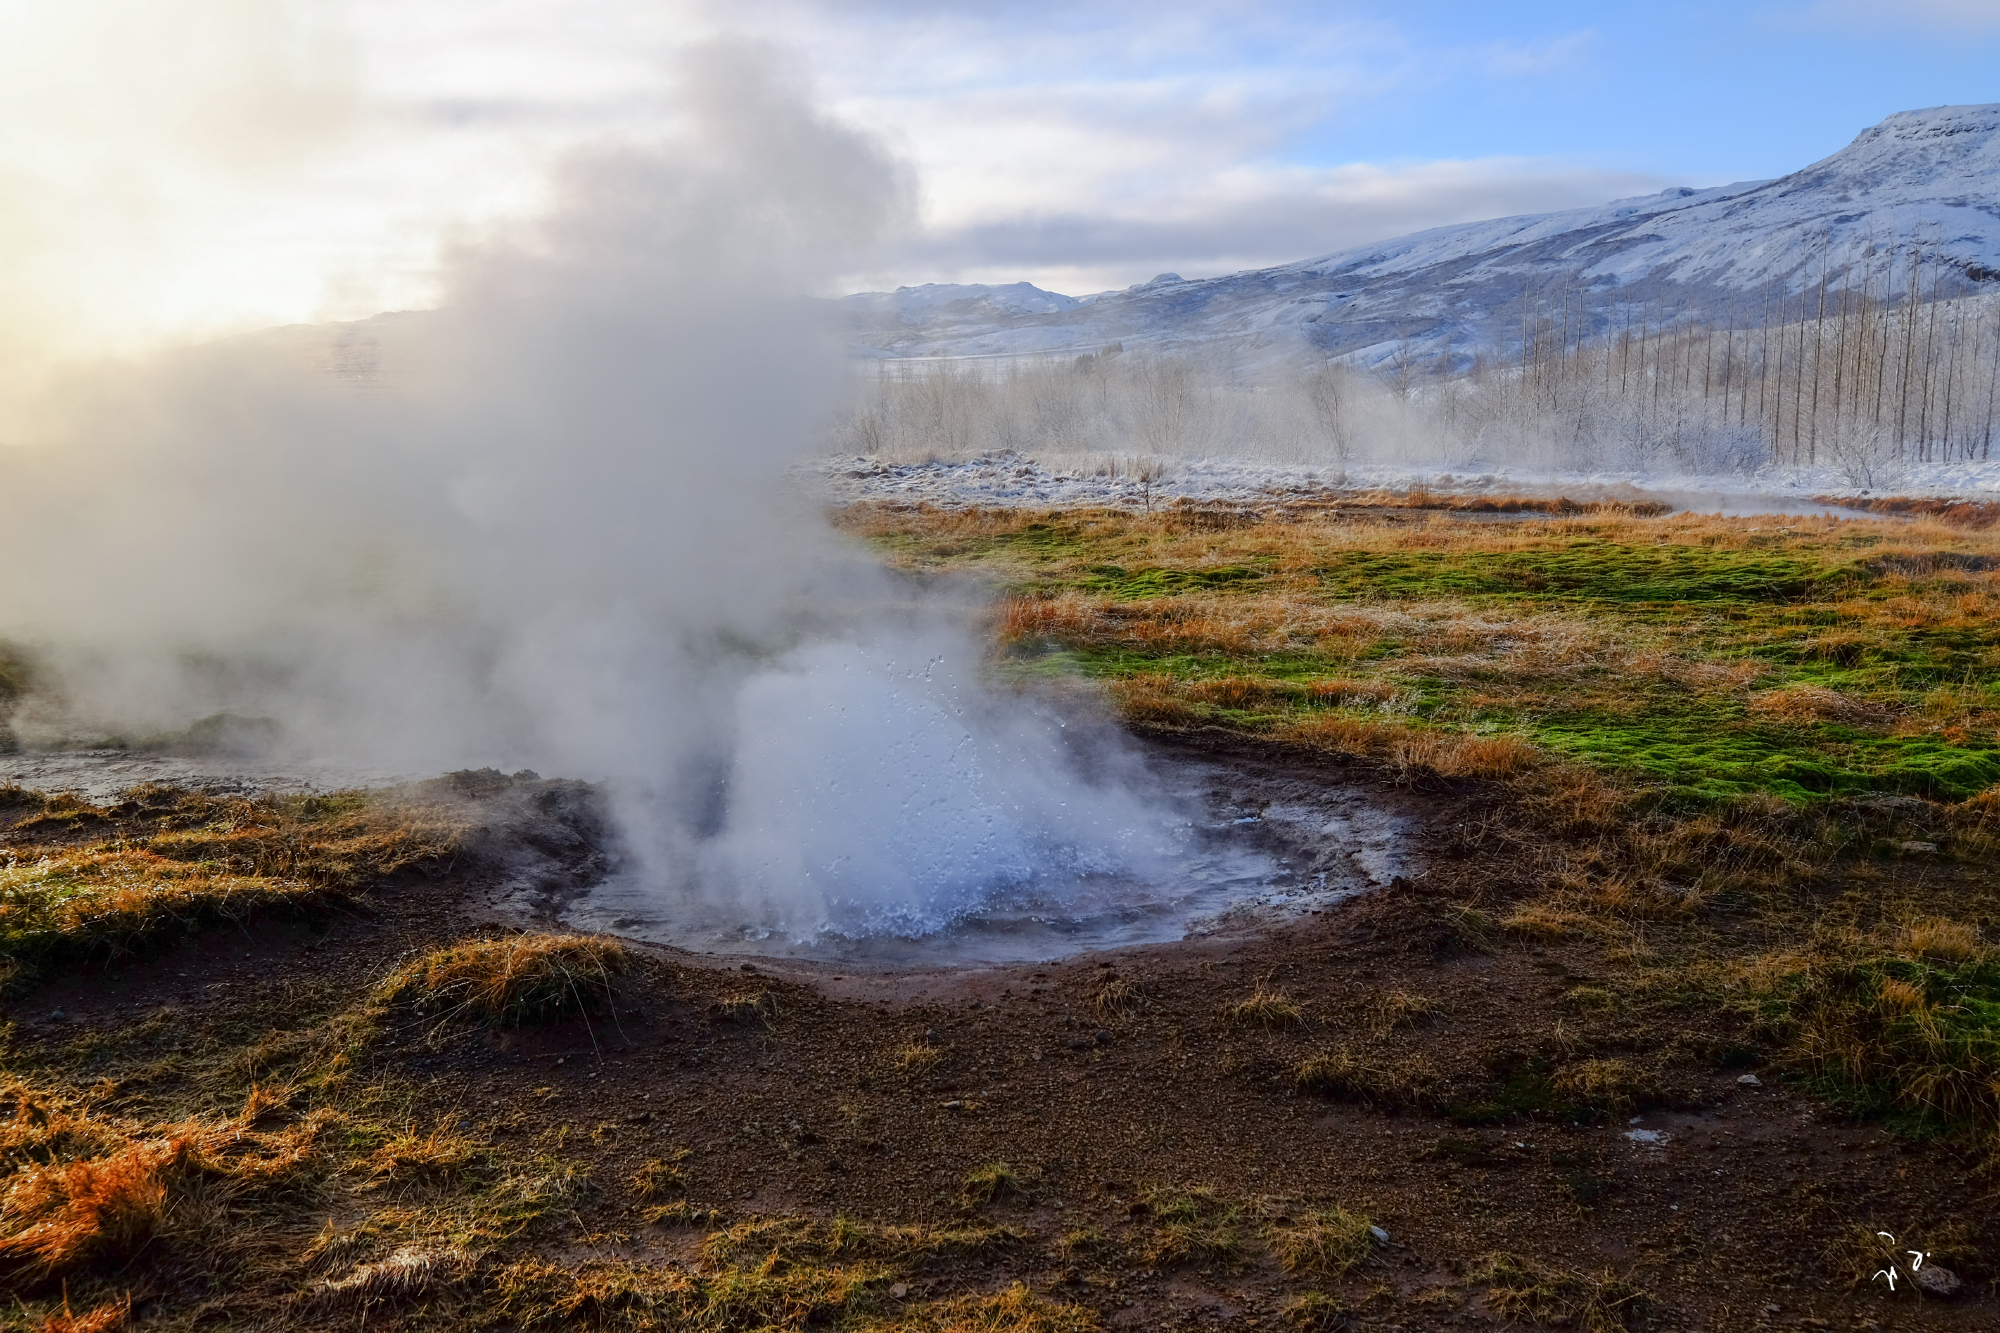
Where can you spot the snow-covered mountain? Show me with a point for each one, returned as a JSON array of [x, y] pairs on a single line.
[[1922, 184]]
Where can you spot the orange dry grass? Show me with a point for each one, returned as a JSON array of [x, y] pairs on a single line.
[[514, 979], [61, 1217], [83, 1211], [1801, 705], [117, 895], [99, 1319], [1447, 754], [199, 859], [1293, 538]]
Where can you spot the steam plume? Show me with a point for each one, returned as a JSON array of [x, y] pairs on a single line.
[[555, 535]]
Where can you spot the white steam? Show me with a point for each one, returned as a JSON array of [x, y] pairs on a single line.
[[553, 533]]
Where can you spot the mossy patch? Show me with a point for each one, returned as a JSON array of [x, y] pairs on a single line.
[[1589, 570]]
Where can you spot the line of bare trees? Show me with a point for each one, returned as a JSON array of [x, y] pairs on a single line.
[[1873, 373], [1865, 370]]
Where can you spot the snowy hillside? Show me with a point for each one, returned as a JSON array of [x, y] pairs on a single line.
[[1922, 185]]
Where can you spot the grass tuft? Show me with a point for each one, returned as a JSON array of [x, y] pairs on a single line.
[[1192, 1226], [1408, 1084], [992, 1183], [512, 980], [1329, 1242], [1521, 1289], [1268, 1009], [661, 1177]]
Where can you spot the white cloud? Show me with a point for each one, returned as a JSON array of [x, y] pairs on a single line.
[[1080, 145], [1249, 217]]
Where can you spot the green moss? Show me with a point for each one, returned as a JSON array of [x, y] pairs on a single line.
[[1114, 581], [1588, 570], [1775, 612]]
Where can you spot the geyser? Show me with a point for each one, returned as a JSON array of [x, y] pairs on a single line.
[[554, 532]]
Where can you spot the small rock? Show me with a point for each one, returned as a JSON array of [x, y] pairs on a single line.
[[930, 1036], [1935, 1281], [1751, 1081], [58, 1017], [1076, 1043], [1103, 1037], [1381, 1236], [1917, 846], [900, 1290], [954, 1106], [1648, 1136], [1774, 1309]]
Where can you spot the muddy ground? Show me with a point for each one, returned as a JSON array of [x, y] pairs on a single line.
[[1723, 1191]]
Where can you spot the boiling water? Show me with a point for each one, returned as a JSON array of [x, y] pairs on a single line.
[[1252, 850]]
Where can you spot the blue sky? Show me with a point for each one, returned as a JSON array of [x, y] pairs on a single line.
[[209, 164], [1090, 145], [1720, 91]]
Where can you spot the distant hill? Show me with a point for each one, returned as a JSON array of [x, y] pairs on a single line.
[[1922, 184]]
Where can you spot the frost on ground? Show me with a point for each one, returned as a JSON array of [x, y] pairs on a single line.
[[1006, 479]]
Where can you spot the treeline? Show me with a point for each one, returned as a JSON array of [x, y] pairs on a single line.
[[1863, 380]]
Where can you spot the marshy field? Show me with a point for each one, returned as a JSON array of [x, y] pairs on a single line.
[[1686, 1016]]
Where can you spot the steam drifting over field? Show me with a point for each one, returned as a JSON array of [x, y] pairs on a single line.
[[553, 534]]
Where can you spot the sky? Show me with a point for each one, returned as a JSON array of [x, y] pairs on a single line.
[[173, 167]]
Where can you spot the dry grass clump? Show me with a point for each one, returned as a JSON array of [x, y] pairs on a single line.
[[1612, 1086], [1192, 1226], [1908, 1017], [1410, 1083], [1152, 700], [1394, 1009], [194, 860], [86, 1193], [408, 1275], [1802, 705], [1543, 923], [1119, 995], [1268, 1009], [992, 1183], [1521, 1289], [1857, 1251], [438, 1157], [786, 1273], [1412, 748], [1015, 1310], [661, 1177], [1328, 1242], [915, 1058], [512, 980], [799, 1241], [65, 1216], [1941, 940], [748, 1008], [98, 1319], [1316, 1312]]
